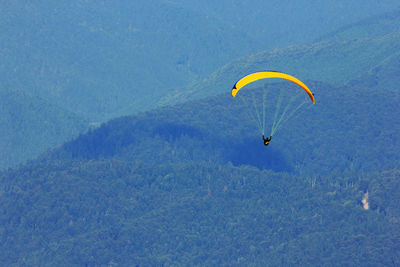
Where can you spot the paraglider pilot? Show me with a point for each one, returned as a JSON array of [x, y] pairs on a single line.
[[267, 140]]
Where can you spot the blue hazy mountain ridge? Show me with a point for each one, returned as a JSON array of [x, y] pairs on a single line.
[[370, 27], [262, 19], [192, 184], [29, 126], [174, 186], [210, 128], [103, 60], [334, 61], [93, 59], [385, 75], [59, 87]]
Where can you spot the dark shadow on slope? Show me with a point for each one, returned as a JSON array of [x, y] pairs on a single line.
[[252, 152], [172, 131], [103, 142], [115, 136]]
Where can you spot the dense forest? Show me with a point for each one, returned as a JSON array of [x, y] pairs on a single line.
[[348, 129], [101, 60], [112, 212], [190, 183], [29, 126], [349, 53], [91, 69]]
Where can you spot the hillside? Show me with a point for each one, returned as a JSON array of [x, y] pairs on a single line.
[[94, 58], [117, 213], [122, 71], [336, 57], [29, 126], [334, 62], [191, 184], [383, 76], [177, 186], [334, 133], [279, 23], [374, 26], [102, 60]]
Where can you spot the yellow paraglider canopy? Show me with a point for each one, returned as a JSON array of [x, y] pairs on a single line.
[[270, 74]]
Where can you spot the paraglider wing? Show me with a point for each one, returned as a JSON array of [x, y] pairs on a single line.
[[269, 74]]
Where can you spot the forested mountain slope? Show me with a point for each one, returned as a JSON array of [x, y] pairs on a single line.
[[29, 126], [280, 23], [192, 184], [384, 76], [105, 59], [349, 128], [336, 62], [374, 26], [177, 186], [92, 58], [111, 79], [113, 212]]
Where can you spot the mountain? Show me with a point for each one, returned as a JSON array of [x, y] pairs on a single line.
[[334, 62], [192, 184], [337, 57], [219, 129], [384, 76], [94, 58], [102, 60], [29, 126], [63, 53], [375, 26], [117, 213], [279, 23]]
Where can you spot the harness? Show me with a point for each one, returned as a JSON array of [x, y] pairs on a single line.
[[267, 140]]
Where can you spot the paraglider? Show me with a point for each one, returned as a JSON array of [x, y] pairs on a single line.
[[266, 140], [288, 112]]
